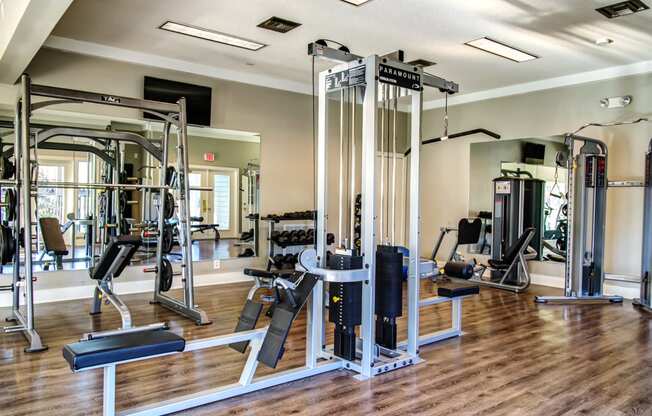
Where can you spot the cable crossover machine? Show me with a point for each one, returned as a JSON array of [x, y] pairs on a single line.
[[364, 280]]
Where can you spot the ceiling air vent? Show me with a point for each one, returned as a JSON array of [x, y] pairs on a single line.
[[279, 25], [623, 8], [423, 63]]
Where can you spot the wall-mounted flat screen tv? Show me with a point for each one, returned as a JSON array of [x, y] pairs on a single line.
[[198, 98]]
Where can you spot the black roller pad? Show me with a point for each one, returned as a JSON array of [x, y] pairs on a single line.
[[247, 322], [456, 292], [284, 314]]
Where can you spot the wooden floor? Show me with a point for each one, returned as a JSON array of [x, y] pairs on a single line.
[[516, 358]]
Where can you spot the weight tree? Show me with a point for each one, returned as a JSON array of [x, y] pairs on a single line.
[[25, 185]]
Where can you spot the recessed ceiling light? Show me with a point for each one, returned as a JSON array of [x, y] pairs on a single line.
[[623, 8], [604, 41], [501, 49], [211, 35], [279, 25], [356, 2]]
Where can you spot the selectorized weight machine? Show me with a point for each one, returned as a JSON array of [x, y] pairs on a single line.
[[587, 202], [350, 271], [645, 301]]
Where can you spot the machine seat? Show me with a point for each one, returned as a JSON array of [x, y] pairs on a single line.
[[52, 236], [512, 251], [456, 292], [102, 351]]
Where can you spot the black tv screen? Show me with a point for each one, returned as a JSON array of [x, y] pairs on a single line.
[[534, 153], [198, 98]]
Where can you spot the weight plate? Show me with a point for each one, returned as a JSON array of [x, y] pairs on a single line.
[[165, 275], [168, 206], [168, 239], [11, 201]]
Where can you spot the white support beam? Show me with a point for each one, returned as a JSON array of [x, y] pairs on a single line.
[[24, 27]]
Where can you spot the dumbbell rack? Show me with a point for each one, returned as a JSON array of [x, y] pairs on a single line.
[[273, 221]]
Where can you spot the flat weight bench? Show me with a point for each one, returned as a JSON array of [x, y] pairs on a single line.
[[108, 352], [455, 295]]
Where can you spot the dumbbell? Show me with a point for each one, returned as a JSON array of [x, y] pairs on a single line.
[[278, 261], [283, 237], [290, 260]]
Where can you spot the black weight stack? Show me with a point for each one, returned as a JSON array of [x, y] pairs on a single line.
[[389, 294], [345, 306]]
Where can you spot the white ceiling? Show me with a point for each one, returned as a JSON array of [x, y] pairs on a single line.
[[561, 32]]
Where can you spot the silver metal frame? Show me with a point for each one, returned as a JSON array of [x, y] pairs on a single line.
[[319, 358], [373, 360], [173, 114], [581, 233], [519, 262]]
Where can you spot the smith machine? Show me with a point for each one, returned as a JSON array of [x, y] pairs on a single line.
[[26, 144]]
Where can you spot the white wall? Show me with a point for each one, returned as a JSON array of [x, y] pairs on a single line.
[[446, 166]]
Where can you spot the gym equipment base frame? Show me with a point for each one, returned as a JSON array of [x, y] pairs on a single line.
[[246, 384], [560, 300]]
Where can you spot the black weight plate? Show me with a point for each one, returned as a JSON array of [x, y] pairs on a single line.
[[165, 275], [11, 201], [168, 239], [168, 207], [170, 175]]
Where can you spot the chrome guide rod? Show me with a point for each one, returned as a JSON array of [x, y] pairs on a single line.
[[340, 180], [395, 110], [352, 172], [382, 163]]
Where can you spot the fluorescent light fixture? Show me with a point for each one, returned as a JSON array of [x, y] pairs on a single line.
[[356, 2], [223, 38], [500, 49]]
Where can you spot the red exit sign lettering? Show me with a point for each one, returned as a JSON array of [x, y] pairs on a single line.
[[209, 157]]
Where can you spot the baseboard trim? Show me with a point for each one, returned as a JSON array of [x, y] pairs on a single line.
[[626, 289], [124, 288]]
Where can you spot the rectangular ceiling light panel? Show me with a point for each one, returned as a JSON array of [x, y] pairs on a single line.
[[278, 24], [623, 8], [211, 35], [501, 49]]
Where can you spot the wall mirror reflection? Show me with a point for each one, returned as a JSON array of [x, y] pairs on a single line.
[[515, 185], [73, 210]]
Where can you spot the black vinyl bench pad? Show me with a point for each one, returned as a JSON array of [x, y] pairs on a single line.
[[456, 292], [113, 349]]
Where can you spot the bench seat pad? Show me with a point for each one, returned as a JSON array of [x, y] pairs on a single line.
[[456, 292], [101, 351]]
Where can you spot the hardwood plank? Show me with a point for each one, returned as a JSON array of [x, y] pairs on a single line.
[[515, 358]]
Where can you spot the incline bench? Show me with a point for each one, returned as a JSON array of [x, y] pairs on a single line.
[[116, 257], [55, 245]]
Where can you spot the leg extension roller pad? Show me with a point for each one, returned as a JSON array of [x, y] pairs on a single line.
[[247, 322]]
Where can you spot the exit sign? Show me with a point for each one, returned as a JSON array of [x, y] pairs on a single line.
[[209, 157]]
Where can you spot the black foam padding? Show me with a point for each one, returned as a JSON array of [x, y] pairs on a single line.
[[272, 349], [389, 282], [456, 292], [458, 269], [468, 232], [247, 322], [284, 314], [111, 252], [101, 351]]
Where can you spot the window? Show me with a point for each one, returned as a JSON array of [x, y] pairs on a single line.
[[222, 200], [50, 200], [83, 195], [194, 179]]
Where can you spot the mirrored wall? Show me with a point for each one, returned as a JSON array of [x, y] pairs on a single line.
[[517, 182], [224, 199]]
